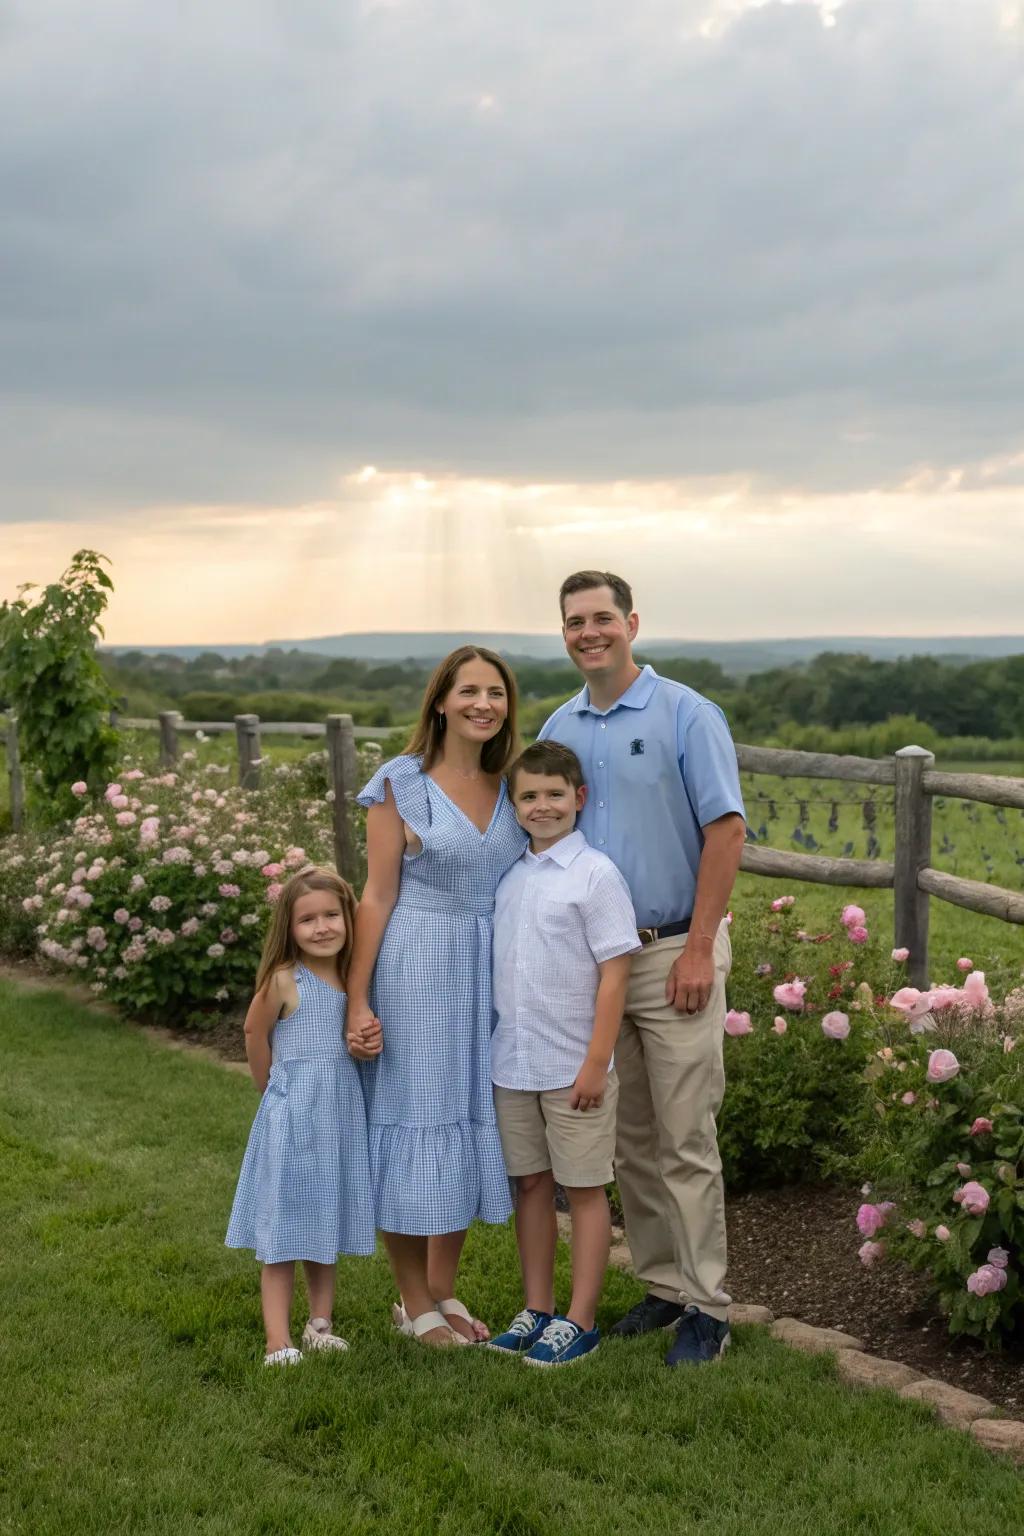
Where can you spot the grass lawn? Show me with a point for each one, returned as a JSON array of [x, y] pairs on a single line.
[[134, 1400]]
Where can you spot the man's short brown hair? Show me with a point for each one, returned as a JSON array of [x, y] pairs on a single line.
[[548, 757], [584, 581]]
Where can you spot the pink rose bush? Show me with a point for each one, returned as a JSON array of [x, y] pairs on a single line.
[[158, 893]]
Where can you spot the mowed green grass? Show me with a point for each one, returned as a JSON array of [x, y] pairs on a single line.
[[981, 842], [134, 1399]]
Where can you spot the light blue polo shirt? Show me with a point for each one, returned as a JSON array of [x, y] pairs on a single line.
[[659, 765]]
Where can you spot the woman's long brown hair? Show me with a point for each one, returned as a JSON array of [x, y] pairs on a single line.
[[428, 736], [279, 948]]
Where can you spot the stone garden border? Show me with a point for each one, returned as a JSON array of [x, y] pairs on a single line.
[[960, 1410]]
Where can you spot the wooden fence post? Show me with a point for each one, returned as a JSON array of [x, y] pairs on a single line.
[[342, 774], [14, 777], [913, 852], [169, 720], [247, 734]]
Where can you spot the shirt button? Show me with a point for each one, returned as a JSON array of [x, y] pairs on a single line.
[[600, 765], [601, 841], [600, 804], [604, 725]]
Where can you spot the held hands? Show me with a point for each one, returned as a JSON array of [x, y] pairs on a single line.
[[588, 1089], [690, 980], [365, 1036]]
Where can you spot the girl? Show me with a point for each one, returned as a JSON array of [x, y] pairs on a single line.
[[440, 833], [304, 1189]]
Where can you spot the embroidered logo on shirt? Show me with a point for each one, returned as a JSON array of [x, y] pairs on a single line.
[[636, 747]]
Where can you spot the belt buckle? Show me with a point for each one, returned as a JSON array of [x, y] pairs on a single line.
[[647, 935]]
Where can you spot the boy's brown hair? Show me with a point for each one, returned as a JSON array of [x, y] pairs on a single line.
[[279, 948], [548, 757]]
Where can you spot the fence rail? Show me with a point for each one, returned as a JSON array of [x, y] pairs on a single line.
[[911, 772]]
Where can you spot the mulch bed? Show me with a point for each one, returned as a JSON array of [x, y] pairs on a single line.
[[795, 1251]]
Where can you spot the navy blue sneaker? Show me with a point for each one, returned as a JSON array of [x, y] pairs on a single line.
[[522, 1332], [699, 1338], [649, 1314], [563, 1342]]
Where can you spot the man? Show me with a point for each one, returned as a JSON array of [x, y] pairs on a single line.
[[665, 805]]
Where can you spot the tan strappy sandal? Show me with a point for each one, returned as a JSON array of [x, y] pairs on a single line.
[[416, 1327], [454, 1308]]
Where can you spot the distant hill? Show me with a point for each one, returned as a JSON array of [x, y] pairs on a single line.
[[737, 657]]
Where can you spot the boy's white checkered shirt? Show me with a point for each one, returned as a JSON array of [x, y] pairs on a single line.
[[557, 916]]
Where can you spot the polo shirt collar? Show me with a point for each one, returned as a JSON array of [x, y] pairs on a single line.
[[563, 852], [636, 696]]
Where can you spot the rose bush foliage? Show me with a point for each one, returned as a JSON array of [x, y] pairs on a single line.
[[156, 895]]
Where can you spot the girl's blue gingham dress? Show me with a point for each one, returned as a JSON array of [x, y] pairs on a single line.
[[304, 1188], [435, 1156]]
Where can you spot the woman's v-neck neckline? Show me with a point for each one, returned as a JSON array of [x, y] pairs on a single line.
[[467, 818]]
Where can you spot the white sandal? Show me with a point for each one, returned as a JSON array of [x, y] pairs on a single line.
[[287, 1356], [317, 1335], [454, 1308], [415, 1327]]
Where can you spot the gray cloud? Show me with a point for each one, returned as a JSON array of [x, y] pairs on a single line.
[[249, 246]]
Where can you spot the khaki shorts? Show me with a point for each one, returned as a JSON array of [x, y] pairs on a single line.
[[540, 1131]]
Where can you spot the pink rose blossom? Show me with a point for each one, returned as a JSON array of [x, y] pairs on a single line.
[[189, 927], [986, 1280], [737, 1023], [910, 1002], [111, 792], [229, 890], [857, 934], [964, 964], [273, 891], [295, 858], [125, 818], [781, 902], [119, 802], [836, 1026], [79, 788], [942, 1233], [790, 994], [215, 951], [942, 1067], [973, 1198], [852, 917], [908, 1099], [975, 991], [981, 1127], [999, 1257], [899, 955], [869, 1253], [271, 871], [964, 1170], [917, 1228], [122, 915], [870, 1219], [780, 1026], [228, 936]]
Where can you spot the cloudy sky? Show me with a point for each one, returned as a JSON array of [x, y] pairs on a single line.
[[326, 315]]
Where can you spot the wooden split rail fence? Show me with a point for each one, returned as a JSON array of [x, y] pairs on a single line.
[[911, 772]]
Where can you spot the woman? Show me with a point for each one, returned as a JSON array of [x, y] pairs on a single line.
[[440, 833]]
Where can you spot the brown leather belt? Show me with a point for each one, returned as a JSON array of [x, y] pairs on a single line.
[[666, 931]]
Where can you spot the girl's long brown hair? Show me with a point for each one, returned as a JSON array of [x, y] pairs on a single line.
[[279, 948], [428, 735]]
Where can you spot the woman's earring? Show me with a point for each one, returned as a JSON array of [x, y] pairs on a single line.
[[441, 720]]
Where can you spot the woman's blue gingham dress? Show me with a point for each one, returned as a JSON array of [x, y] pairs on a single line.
[[304, 1188], [435, 1156]]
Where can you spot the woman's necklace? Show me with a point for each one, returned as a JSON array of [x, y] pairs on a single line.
[[473, 773]]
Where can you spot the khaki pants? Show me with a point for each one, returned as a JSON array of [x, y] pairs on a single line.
[[671, 1081]]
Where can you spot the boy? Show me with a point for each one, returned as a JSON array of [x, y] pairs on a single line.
[[564, 931]]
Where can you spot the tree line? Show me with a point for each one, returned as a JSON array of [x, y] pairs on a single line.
[[834, 692]]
